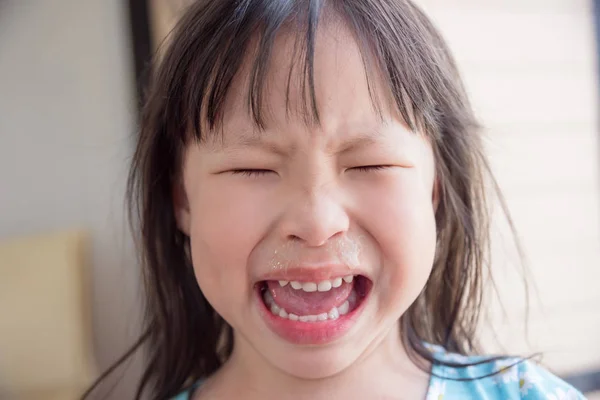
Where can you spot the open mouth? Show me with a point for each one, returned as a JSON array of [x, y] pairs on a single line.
[[314, 302]]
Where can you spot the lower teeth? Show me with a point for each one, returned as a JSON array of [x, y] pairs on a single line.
[[333, 314]]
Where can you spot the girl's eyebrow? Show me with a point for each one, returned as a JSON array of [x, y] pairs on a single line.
[[357, 141], [245, 140]]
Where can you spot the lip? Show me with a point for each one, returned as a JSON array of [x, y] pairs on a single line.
[[309, 333], [312, 273]]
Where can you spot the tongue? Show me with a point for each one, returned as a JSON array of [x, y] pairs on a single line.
[[300, 302]]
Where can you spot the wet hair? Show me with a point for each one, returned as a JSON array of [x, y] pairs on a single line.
[[186, 340]]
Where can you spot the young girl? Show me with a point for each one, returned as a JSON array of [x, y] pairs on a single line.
[[309, 183]]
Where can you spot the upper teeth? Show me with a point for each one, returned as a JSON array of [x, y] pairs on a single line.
[[323, 286]]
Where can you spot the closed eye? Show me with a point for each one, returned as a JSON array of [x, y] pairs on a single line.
[[254, 173], [370, 168]]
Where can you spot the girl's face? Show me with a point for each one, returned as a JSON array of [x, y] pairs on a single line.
[[310, 205]]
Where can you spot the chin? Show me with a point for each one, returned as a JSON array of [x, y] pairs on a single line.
[[316, 363]]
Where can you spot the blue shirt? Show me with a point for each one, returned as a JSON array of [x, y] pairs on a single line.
[[517, 379]]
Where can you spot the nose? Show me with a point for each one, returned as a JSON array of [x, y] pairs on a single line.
[[314, 217]]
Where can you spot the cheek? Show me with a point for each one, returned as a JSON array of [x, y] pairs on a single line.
[[225, 227], [401, 220]]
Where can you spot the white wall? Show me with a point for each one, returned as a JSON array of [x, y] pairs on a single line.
[[530, 67], [66, 120]]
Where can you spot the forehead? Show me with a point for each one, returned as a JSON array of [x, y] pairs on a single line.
[[345, 99]]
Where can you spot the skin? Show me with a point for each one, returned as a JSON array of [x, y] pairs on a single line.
[[311, 195]]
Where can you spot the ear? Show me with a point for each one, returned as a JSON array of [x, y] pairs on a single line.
[[181, 207]]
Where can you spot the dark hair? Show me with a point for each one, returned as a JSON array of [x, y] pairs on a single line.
[[185, 338]]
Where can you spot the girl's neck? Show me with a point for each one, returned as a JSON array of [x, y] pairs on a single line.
[[384, 371]]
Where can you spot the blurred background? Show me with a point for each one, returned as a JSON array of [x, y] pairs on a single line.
[[70, 77]]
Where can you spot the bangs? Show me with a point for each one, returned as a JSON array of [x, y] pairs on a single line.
[[215, 39]]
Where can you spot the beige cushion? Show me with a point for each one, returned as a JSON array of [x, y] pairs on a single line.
[[45, 344]]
